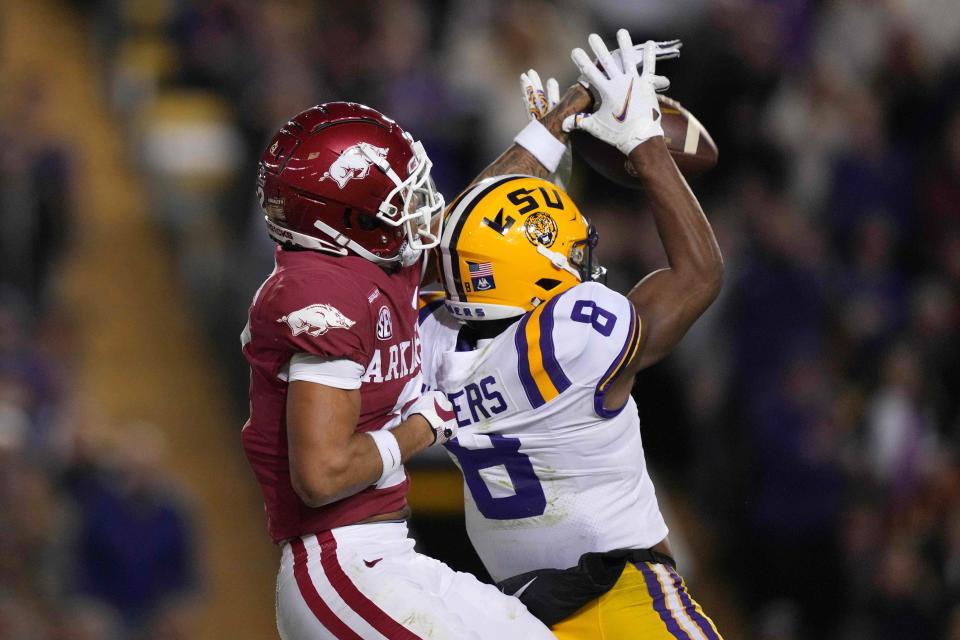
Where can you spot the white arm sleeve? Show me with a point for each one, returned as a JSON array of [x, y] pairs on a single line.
[[340, 373]]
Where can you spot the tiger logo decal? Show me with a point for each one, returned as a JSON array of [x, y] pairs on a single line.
[[541, 229]]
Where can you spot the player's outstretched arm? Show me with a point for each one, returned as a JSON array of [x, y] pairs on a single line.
[[516, 159], [671, 299], [329, 460]]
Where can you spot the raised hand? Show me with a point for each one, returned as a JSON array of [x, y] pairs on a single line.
[[628, 113], [666, 50], [537, 101]]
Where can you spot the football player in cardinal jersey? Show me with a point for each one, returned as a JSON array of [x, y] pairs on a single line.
[[539, 361], [336, 403]]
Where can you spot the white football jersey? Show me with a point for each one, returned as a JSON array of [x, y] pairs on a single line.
[[549, 474]]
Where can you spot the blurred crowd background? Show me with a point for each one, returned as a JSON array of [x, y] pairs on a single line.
[[810, 422]]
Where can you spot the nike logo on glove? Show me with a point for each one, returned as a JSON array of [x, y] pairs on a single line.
[[371, 563], [626, 104]]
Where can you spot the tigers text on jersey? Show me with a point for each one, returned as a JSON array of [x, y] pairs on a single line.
[[338, 308], [549, 473]]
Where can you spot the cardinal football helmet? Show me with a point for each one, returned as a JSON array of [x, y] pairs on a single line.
[[343, 177], [509, 244]]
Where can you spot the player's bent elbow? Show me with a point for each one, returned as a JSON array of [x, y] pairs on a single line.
[[706, 293], [307, 491], [701, 272], [703, 285], [315, 495], [713, 282], [708, 275], [320, 485]]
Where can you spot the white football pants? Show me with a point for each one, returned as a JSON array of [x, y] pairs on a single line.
[[366, 581]]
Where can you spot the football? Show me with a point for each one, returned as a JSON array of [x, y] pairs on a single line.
[[691, 146]]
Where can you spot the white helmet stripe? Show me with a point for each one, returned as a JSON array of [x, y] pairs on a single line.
[[451, 228]]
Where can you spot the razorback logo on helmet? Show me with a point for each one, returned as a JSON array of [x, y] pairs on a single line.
[[354, 163], [316, 319]]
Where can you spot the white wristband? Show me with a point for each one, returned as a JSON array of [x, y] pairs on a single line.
[[389, 450], [536, 139]]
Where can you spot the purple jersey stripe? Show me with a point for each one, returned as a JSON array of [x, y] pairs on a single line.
[[523, 365], [633, 335], [660, 603], [550, 363], [478, 193], [698, 618]]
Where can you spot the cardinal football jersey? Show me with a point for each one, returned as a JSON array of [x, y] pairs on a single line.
[[549, 473], [331, 308]]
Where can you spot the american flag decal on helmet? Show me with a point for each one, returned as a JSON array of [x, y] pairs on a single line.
[[481, 276]]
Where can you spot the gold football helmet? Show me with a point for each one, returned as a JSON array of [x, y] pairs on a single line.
[[510, 243]]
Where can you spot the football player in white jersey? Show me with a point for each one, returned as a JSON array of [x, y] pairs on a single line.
[[539, 361]]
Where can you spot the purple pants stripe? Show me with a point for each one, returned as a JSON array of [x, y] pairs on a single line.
[[660, 603], [698, 618]]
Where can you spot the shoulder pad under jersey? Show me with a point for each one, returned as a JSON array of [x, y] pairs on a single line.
[[583, 337]]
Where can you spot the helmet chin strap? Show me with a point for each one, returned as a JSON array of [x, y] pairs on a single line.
[[282, 235], [343, 241], [341, 245], [558, 260]]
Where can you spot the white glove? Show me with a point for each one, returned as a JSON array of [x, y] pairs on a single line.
[[537, 102], [437, 410], [666, 50], [628, 113]]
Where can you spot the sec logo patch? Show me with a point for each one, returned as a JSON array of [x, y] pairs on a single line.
[[384, 324]]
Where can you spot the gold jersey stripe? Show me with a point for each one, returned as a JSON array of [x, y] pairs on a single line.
[[633, 343], [547, 389]]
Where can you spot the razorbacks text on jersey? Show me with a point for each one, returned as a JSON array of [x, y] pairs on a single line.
[[338, 308], [549, 473]]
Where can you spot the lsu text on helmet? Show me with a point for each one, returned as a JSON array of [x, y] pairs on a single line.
[[510, 243], [343, 177]]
